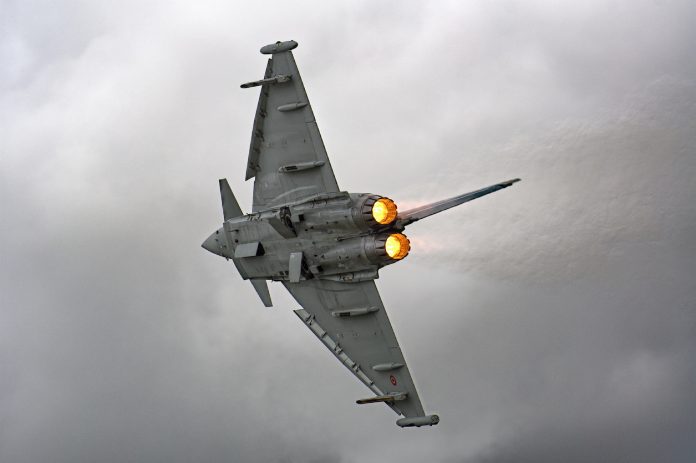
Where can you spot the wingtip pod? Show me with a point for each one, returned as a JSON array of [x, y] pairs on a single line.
[[418, 421], [278, 47]]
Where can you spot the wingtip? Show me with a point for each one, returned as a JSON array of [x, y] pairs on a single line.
[[278, 47], [510, 182], [418, 421]]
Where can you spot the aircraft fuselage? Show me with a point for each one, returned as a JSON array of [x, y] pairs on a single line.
[[333, 236]]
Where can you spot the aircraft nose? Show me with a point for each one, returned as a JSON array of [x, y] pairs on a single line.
[[212, 243]]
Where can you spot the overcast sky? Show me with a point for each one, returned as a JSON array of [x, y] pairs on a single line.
[[554, 321]]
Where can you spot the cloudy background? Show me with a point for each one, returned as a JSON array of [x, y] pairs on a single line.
[[552, 321]]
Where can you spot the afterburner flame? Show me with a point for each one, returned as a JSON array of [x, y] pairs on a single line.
[[384, 211], [397, 246]]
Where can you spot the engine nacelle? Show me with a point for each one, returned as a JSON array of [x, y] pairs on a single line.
[[362, 253], [358, 213]]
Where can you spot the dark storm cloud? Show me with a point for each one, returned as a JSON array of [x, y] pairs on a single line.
[[558, 318]]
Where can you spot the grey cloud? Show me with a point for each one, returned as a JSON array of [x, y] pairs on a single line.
[[552, 321]]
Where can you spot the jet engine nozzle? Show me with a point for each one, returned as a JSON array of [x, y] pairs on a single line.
[[397, 246], [373, 211], [387, 248], [384, 211]]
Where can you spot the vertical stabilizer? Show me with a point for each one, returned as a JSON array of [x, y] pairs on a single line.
[[422, 212]]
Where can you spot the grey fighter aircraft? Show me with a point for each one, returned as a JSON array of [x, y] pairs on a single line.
[[326, 246]]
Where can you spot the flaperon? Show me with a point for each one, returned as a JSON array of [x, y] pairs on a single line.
[[325, 245]]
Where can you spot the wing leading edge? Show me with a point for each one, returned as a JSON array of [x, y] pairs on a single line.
[[350, 320], [287, 156]]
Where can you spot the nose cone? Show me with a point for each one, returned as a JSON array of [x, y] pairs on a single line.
[[212, 243]]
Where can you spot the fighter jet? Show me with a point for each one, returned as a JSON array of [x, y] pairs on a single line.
[[325, 245]]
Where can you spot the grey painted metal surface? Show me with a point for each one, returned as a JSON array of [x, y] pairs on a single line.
[[367, 340], [261, 288], [325, 245]]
